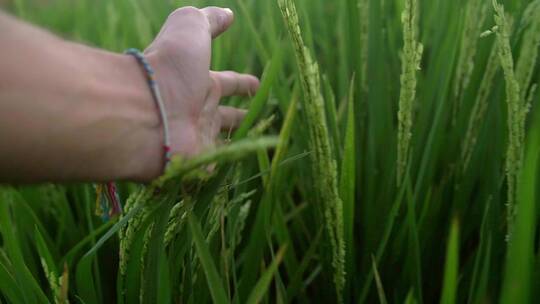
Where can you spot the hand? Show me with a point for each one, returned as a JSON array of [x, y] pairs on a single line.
[[181, 55], [86, 114]]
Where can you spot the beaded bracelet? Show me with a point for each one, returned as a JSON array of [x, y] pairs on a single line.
[[108, 200]]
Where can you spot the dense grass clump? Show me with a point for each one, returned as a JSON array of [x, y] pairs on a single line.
[[391, 155]]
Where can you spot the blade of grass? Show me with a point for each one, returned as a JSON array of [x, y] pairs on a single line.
[[84, 278], [9, 286], [474, 292], [47, 261], [262, 285], [253, 251], [24, 277], [153, 280], [414, 243], [380, 289], [255, 35], [217, 291], [451, 268], [260, 100], [394, 211], [347, 191], [75, 250]]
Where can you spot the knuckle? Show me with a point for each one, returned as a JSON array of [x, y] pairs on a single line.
[[187, 12], [189, 19], [215, 84]]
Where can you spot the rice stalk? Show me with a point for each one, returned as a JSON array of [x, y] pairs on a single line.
[[364, 39], [131, 230], [146, 241], [479, 109], [184, 168], [378, 281], [411, 57], [128, 233], [178, 169], [177, 218], [130, 203], [517, 112], [241, 223], [53, 280], [475, 14], [529, 51], [64, 286], [324, 168], [529, 15], [217, 208]]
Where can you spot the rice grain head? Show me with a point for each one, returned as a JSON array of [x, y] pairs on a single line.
[[324, 168], [54, 282], [411, 57], [177, 218], [516, 113]]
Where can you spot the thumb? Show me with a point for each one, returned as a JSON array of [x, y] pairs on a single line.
[[220, 19]]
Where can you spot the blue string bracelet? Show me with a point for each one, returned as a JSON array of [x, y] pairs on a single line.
[[108, 201], [150, 76]]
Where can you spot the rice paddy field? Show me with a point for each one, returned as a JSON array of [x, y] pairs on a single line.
[[390, 156]]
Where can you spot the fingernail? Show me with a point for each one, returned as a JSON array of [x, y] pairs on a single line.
[[228, 11], [256, 84]]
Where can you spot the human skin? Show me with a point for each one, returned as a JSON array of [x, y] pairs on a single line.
[[69, 112]]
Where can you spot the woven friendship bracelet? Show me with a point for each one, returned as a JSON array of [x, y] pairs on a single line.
[[108, 200], [150, 76]]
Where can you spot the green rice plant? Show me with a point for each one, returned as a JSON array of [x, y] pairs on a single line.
[[21, 273], [517, 112], [313, 216], [520, 257], [475, 15], [380, 288], [411, 57], [260, 289], [529, 52], [216, 288], [324, 167], [478, 112], [182, 168], [363, 6], [347, 189], [58, 283], [177, 218], [451, 268], [128, 233], [53, 280], [146, 239]]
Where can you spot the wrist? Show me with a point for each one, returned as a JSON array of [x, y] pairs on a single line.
[[126, 122], [142, 158]]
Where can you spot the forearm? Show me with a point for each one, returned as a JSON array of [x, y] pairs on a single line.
[[70, 112]]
